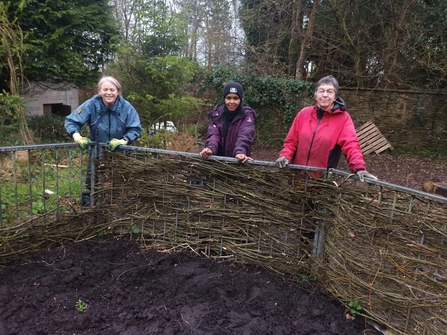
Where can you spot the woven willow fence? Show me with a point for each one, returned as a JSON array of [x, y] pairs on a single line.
[[384, 245]]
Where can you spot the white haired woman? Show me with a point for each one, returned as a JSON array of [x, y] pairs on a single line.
[[322, 132], [111, 118]]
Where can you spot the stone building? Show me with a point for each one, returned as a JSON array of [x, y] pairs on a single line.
[[46, 100]]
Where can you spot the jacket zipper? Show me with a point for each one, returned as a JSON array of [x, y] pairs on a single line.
[[222, 141], [312, 143], [109, 123]]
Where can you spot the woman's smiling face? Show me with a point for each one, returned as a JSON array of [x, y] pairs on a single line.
[[109, 93], [232, 101], [325, 96]]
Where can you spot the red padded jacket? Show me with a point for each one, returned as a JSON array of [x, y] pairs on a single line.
[[319, 141]]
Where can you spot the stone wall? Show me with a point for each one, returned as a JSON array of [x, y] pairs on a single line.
[[411, 121]]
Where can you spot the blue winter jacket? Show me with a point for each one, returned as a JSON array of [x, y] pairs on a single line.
[[106, 123]]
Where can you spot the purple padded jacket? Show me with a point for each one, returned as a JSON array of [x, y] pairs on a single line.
[[240, 136]]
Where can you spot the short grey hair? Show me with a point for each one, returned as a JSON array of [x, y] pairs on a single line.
[[328, 80], [112, 81]]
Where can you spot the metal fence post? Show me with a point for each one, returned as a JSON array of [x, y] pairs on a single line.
[[320, 234], [97, 153], [1, 209]]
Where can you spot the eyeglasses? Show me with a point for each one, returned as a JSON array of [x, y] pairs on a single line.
[[329, 92]]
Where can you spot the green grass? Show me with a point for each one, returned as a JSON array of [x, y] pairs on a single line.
[[23, 186]]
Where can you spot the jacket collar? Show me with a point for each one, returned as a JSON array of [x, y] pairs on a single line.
[[104, 108], [240, 112]]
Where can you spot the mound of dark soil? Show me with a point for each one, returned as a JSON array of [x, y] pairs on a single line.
[[126, 290]]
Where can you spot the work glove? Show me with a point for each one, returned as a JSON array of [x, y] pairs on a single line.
[[83, 142], [282, 162], [365, 174], [114, 143]]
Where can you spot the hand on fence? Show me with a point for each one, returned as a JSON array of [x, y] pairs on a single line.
[[243, 158], [206, 152], [114, 143], [365, 174], [83, 142], [282, 162]]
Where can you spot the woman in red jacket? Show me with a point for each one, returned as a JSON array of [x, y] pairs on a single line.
[[321, 133]]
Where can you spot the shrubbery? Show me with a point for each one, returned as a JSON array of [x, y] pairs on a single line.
[[12, 111], [48, 128], [276, 100], [262, 93]]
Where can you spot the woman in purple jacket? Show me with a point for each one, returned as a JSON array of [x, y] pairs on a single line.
[[232, 129]]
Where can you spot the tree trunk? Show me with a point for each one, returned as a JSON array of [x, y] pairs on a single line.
[[294, 45], [395, 43], [301, 72]]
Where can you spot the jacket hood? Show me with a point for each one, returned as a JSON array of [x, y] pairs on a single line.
[[339, 104]]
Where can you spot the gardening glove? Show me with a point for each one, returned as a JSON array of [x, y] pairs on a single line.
[[113, 144], [83, 142], [365, 174], [282, 162]]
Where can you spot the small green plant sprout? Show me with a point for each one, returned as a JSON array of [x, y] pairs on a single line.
[[136, 229], [354, 307], [102, 233], [306, 279], [81, 306]]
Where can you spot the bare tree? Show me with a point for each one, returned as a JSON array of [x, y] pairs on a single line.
[[396, 37], [266, 24], [306, 39], [213, 33], [366, 43]]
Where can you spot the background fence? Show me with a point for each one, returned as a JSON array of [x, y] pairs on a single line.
[[381, 244]]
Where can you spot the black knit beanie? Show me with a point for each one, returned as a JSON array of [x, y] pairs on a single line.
[[234, 88]]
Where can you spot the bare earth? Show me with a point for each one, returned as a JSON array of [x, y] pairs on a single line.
[[129, 290]]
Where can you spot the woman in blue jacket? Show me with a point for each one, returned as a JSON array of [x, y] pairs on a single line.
[[111, 119]]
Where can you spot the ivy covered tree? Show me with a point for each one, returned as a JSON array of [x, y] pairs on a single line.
[[64, 40]]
